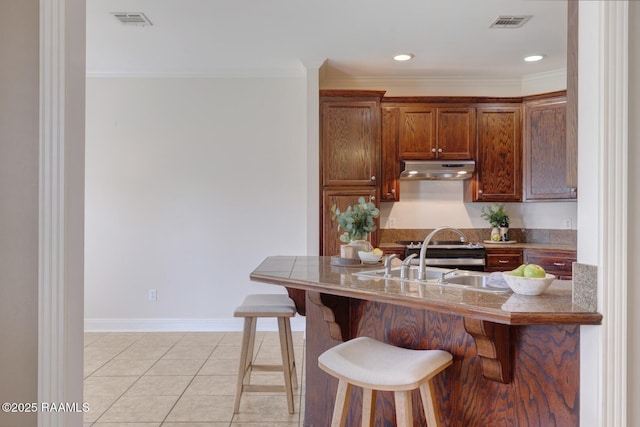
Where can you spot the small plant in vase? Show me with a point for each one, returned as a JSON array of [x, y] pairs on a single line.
[[499, 220], [357, 221]]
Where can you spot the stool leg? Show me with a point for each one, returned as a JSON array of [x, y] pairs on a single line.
[[368, 406], [343, 395], [286, 362], [246, 359], [428, 402], [292, 356], [404, 413]]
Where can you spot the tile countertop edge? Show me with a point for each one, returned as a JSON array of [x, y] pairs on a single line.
[[555, 307]]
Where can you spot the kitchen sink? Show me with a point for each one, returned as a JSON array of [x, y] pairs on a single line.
[[471, 280]]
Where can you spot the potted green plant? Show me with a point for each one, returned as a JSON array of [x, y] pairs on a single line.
[[498, 219], [357, 221]]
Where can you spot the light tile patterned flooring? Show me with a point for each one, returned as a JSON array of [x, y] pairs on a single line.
[[183, 379]]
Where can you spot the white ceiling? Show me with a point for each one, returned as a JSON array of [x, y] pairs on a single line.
[[357, 37]]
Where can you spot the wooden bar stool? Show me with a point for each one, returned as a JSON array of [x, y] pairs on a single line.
[[374, 365], [266, 305]]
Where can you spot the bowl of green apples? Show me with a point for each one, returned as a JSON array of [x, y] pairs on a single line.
[[528, 279]]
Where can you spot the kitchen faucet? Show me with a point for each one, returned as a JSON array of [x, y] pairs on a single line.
[[387, 264], [422, 270], [404, 269]]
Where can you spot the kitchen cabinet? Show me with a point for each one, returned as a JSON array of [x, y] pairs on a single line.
[[502, 259], [390, 164], [498, 155], [350, 141], [557, 262], [429, 132], [545, 150], [330, 238], [349, 157]]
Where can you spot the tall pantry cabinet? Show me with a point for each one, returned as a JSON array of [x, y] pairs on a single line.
[[349, 157]]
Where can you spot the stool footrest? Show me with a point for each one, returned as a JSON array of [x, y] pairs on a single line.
[[267, 368], [263, 387]]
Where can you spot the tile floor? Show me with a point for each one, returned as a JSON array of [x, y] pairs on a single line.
[[182, 379]]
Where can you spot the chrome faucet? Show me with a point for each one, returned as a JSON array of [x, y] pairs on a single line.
[[387, 264], [422, 270], [404, 269], [447, 273]]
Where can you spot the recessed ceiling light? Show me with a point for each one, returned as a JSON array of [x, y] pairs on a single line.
[[533, 58], [403, 57]]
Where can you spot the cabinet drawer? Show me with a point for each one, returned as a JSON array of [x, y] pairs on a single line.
[[554, 262], [503, 260]]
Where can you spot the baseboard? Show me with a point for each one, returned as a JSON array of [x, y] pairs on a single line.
[[191, 325]]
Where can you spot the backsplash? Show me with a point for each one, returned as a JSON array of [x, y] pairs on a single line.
[[522, 235]]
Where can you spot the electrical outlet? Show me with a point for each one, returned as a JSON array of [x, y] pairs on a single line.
[[392, 222], [567, 223], [152, 295]]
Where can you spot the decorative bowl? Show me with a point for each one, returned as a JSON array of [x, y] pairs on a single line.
[[528, 285], [369, 257]]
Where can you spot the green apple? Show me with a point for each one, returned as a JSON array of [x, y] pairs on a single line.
[[519, 271], [534, 270]]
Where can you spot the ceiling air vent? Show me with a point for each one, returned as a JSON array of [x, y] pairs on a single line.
[[132, 18], [510, 21]]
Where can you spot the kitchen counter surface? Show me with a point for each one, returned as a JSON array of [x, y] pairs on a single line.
[[555, 306], [517, 245]]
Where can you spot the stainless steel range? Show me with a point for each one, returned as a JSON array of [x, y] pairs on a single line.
[[448, 254]]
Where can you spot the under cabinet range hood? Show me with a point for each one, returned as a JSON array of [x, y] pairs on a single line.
[[443, 170]]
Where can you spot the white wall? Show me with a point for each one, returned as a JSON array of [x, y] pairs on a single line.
[[190, 184]]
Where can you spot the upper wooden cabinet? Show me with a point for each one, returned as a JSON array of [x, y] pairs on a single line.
[[498, 176], [427, 132], [390, 164], [545, 161], [350, 142]]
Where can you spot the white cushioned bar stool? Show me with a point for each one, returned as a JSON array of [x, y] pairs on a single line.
[[374, 365], [283, 308]]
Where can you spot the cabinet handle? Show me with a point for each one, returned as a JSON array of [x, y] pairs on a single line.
[[479, 191], [393, 191], [503, 261], [373, 178], [372, 198], [439, 150], [433, 150], [559, 264]]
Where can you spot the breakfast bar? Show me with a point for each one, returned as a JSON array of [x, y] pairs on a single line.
[[516, 358]]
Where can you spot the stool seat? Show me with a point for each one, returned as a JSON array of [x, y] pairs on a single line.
[[283, 308], [374, 365], [367, 362], [266, 305]]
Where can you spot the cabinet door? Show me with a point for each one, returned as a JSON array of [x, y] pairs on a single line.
[[349, 140], [330, 244], [455, 133], [545, 150], [417, 133], [559, 263], [390, 164], [498, 155]]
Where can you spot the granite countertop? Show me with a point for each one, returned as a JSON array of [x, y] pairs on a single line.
[[498, 245], [554, 306]]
